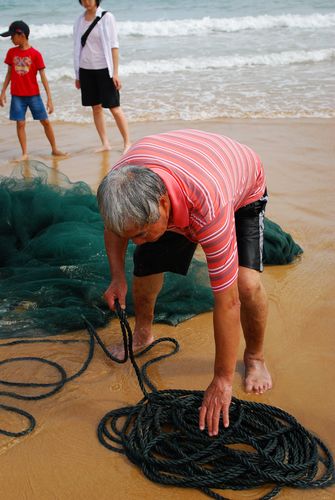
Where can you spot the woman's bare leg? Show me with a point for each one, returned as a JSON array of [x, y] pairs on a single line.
[[100, 125], [122, 125]]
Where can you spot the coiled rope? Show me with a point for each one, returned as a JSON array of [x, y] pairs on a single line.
[[263, 446]]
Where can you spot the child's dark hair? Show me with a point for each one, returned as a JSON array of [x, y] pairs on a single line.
[[97, 2]]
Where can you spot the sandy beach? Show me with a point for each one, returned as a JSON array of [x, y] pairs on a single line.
[[62, 458]]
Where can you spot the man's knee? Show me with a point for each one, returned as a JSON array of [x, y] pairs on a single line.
[[249, 283], [147, 287]]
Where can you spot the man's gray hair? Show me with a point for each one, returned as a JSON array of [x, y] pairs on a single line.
[[129, 197]]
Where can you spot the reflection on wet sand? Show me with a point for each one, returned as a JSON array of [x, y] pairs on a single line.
[[105, 163]]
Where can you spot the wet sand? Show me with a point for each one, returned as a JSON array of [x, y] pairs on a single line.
[[62, 458]]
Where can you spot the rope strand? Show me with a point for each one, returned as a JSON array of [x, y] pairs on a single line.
[[263, 447]]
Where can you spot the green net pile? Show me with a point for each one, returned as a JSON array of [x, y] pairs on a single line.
[[53, 266]]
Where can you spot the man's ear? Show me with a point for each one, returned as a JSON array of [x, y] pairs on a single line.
[[164, 203]]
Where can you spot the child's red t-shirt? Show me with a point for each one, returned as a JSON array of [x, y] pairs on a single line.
[[25, 65]]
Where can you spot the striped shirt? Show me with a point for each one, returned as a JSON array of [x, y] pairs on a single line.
[[208, 177]]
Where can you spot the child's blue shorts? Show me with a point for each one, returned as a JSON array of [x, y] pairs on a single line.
[[19, 105]]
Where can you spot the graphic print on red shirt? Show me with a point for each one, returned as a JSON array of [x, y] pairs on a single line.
[[25, 64]]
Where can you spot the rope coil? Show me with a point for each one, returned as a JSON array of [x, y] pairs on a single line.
[[263, 445]]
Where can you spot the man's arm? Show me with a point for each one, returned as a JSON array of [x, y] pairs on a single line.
[[116, 248], [50, 106], [5, 85], [217, 397]]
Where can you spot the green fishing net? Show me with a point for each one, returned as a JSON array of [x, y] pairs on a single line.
[[53, 266]]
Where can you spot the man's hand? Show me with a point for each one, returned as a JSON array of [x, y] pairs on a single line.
[[2, 99], [77, 84], [116, 290], [216, 402]]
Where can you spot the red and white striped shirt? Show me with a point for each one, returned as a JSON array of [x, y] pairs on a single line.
[[208, 177]]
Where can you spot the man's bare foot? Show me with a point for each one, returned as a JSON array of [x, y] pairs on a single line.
[[104, 147], [138, 345], [257, 377], [24, 157], [126, 147], [57, 152]]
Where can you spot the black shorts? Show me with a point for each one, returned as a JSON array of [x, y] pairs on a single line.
[[173, 252], [97, 87]]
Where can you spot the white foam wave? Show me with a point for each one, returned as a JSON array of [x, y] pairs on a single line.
[[134, 115], [207, 25], [73, 114], [204, 26], [236, 61], [159, 66], [51, 30], [61, 73]]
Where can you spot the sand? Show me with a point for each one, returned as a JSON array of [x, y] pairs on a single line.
[[62, 458]]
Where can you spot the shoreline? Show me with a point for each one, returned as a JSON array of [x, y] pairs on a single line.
[[70, 138]]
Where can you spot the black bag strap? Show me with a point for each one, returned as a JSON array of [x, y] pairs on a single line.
[[91, 26]]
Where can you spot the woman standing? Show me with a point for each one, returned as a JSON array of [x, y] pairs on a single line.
[[96, 67]]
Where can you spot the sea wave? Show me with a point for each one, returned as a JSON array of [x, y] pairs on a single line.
[[235, 61], [135, 115], [196, 64], [208, 25], [38, 31], [203, 26], [73, 114]]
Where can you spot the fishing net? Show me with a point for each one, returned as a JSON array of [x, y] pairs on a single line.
[[53, 266]]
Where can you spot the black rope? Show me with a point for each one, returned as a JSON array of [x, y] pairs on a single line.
[[51, 388], [263, 446]]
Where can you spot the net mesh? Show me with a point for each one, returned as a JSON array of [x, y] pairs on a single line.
[[53, 266]]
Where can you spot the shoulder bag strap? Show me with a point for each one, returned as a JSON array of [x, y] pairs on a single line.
[[91, 26]]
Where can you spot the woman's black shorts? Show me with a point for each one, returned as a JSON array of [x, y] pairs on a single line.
[[173, 252], [97, 87]]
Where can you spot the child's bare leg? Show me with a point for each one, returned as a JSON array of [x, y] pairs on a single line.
[[51, 138], [21, 134], [100, 125], [122, 125]]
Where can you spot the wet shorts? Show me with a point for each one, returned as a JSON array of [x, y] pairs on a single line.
[[97, 87], [173, 252], [19, 105]]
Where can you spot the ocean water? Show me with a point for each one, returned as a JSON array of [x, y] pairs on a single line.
[[195, 59]]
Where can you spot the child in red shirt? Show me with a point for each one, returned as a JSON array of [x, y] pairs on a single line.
[[23, 64]]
